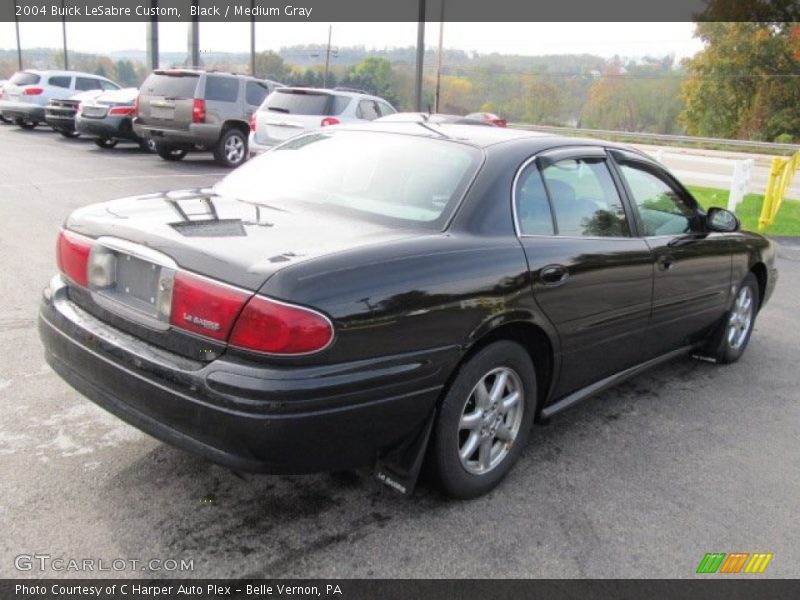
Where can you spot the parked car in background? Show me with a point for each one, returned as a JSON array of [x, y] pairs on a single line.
[[431, 118], [488, 118], [3, 119], [395, 292], [108, 118], [187, 109], [290, 111], [60, 113], [28, 92]]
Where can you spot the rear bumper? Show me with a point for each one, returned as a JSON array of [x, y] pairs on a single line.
[[198, 133], [67, 123], [21, 110], [118, 128], [255, 148], [247, 416]]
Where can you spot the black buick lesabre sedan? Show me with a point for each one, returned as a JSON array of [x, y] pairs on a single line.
[[395, 294]]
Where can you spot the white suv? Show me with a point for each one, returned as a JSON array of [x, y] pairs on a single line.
[[290, 111], [27, 93]]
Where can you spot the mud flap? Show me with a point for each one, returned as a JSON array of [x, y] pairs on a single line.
[[399, 468]]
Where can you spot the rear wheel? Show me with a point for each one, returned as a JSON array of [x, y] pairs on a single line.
[[728, 342], [147, 145], [106, 142], [231, 150], [484, 420], [170, 153], [68, 134], [26, 124]]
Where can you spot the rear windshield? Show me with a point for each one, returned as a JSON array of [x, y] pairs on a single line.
[[172, 85], [299, 102], [23, 78], [399, 179]]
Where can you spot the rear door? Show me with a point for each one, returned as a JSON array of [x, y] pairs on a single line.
[[223, 98], [167, 98], [693, 271], [591, 275]]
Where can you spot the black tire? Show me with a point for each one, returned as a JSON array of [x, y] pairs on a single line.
[[5, 119], [147, 145], [729, 340], [25, 124], [458, 478], [106, 143], [68, 134], [231, 149], [171, 153]]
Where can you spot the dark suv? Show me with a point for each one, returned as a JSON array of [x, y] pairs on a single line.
[[183, 110]]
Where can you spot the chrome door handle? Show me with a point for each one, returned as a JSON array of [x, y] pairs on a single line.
[[553, 275]]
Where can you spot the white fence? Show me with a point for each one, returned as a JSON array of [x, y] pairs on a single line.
[[735, 176]]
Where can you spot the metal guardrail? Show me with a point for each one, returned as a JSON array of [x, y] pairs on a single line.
[[657, 137]]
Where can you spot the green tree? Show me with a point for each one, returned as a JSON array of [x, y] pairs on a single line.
[[745, 83], [271, 65], [126, 73], [373, 75]]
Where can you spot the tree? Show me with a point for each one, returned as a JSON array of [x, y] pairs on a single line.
[[373, 75], [745, 83], [271, 65], [126, 74]]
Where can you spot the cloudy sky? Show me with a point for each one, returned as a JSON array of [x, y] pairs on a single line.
[[604, 39]]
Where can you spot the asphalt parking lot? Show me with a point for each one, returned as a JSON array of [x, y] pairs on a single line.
[[640, 481]]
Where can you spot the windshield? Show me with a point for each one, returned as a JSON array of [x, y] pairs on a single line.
[[397, 178], [174, 85]]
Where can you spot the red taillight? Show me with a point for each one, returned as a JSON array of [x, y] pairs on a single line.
[[205, 307], [199, 111], [32, 91], [329, 121], [72, 254], [500, 122], [252, 122], [277, 328], [123, 111], [136, 106]]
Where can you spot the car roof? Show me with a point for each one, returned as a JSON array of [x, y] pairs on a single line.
[[50, 72], [334, 91], [198, 72]]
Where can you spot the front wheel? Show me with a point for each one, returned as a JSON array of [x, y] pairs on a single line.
[[484, 420], [231, 150], [147, 145], [106, 142], [728, 342], [4, 119]]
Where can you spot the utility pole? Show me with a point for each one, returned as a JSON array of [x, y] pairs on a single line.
[[194, 39], [327, 59], [64, 35], [420, 55], [152, 40], [19, 46], [439, 62], [252, 39]]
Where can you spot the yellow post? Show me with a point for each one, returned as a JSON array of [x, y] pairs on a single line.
[[780, 177]]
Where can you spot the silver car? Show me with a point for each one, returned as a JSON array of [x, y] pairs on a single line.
[[290, 111], [109, 119], [27, 93]]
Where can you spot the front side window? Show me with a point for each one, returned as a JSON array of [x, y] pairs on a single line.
[[584, 198], [108, 86], [385, 109], [222, 89], [661, 209], [394, 179]]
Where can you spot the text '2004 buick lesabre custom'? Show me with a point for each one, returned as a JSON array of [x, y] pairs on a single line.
[[394, 294]]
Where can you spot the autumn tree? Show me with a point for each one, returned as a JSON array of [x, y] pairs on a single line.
[[746, 82]]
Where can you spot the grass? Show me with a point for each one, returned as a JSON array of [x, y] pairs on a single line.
[[786, 223]]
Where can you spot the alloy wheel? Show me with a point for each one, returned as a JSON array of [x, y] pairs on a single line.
[[741, 318], [490, 421], [234, 149]]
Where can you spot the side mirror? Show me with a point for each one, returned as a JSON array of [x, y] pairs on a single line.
[[720, 219]]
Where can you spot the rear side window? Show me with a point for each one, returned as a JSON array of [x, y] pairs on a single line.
[[222, 89], [107, 85], [24, 78], [368, 109], [60, 81], [533, 208], [299, 102], [87, 83], [339, 104], [178, 85], [584, 198], [255, 92]]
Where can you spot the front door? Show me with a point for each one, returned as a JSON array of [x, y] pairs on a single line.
[[692, 283], [591, 277]]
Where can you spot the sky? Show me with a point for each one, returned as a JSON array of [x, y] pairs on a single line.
[[603, 39]]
